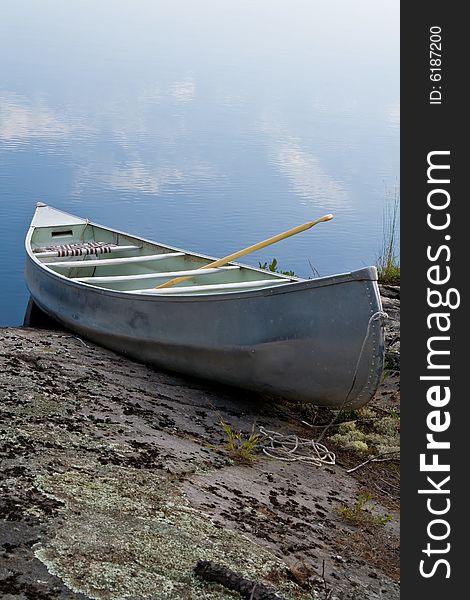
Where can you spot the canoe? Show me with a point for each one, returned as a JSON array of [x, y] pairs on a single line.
[[317, 340]]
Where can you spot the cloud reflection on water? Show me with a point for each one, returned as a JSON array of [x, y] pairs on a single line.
[[21, 122], [183, 91], [307, 176], [113, 146]]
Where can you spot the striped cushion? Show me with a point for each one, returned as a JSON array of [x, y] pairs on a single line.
[[78, 249]]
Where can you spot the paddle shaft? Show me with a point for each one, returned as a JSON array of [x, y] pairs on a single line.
[[222, 261]]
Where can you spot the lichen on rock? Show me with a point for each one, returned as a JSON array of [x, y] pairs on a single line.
[[128, 535]]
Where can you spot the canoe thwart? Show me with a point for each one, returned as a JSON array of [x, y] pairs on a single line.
[[219, 287], [158, 275], [106, 262]]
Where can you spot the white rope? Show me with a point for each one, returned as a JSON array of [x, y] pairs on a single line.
[[291, 448]]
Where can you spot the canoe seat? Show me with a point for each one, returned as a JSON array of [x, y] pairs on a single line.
[[80, 249], [77, 249]]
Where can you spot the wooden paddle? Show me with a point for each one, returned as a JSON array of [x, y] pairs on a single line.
[[222, 261]]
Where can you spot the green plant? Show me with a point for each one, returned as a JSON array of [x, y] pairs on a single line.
[[272, 266], [239, 447], [388, 263], [358, 514], [386, 373]]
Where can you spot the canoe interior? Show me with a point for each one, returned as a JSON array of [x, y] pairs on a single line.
[[141, 267]]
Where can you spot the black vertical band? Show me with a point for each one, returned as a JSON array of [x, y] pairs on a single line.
[[435, 523]]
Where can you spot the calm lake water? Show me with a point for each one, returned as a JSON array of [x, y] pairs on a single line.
[[208, 125]]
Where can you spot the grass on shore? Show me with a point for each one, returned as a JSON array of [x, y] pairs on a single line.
[[240, 447], [359, 513], [388, 263]]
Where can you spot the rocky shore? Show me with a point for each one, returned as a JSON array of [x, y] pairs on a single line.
[[117, 478]]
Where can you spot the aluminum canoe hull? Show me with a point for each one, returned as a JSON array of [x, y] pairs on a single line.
[[318, 341]]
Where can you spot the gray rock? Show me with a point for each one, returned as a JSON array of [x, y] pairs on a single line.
[[116, 480]]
